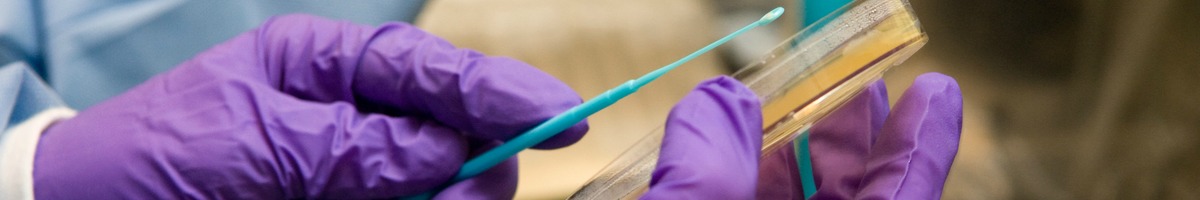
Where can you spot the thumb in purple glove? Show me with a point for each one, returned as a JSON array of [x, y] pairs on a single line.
[[711, 144], [913, 155]]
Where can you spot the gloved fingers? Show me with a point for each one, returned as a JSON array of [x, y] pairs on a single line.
[[407, 70], [839, 144], [778, 175], [913, 154], [395, 69], [711, 145], [305, 56], [334, 151], [401, 70], [499, 182]]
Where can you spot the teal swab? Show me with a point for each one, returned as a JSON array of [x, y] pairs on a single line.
[[576, 114], [813, 10], [804, 164]]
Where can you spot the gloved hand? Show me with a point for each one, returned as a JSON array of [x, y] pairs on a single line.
[[864, 151], [710, 145], [304, 107]]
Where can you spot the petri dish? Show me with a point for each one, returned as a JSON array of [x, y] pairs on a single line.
[[800, 81]]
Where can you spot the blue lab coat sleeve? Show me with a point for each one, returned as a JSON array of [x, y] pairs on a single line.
[[27, 107], [23, 94], [91, 50]]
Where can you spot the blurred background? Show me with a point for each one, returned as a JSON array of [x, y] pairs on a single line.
[[1064, 99]]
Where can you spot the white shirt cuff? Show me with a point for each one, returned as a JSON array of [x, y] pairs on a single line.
[[17, 147]]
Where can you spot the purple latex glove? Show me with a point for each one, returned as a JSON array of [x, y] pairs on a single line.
[[711, 144], [304, 107], [863, 151]]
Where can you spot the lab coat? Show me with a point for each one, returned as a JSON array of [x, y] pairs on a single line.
[[90, 50], [27, 107]]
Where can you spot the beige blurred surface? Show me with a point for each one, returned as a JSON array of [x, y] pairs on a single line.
[[592, 46]]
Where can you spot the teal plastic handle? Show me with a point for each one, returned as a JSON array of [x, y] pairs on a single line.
[[577, 114], [813, 10], [808, 182], [544, 131]]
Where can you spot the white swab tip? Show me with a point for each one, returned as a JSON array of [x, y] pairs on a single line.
[[771, 16]]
